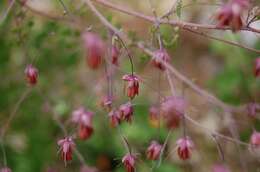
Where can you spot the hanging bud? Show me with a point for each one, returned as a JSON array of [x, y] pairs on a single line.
[[160, 56], [5, 169], [220, 168], [129, 162], [154, 116], [66, 147], [184, 148], [95, 49], [173, 108], [115, 55], [257, 67], [126, 112], [132, 85], [83, 118], [31, 74], [230, 14], [154, 150], [114, 117]]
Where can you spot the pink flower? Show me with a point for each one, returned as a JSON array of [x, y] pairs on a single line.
[[230, 14], [132, 85], [173, 108], [126, 111], [257, 67], [160, 56], [83, 118], [220, 168], [115, 55], [184, 147], [129, 162], [154, 150], [31, 74], [255, 139], [114, 117], [66, 147], [95, 49], [5, 169]]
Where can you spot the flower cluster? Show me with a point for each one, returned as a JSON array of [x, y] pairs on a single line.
[[230, 14]]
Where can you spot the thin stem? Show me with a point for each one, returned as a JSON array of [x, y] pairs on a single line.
[[66, 11], [5, 14]]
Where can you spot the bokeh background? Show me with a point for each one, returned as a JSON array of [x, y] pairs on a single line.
[[65, 83]]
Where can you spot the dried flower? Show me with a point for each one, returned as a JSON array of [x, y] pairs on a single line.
[[126, 111], [173, 108], [66, 147], [95, 49], [230, 14], [257, 67], [31, 74], [84, 119], [220, 168], [184, 147], [160, 56], [129, 162], [114, 117], [132, 85], [154, 150]]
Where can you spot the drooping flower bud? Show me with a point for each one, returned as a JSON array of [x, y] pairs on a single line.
[[173, 108], [132, 85], [115, 55], [66, 147], [160, 56], [255, 139], [31, 74], [129, 162], [126, 112], [95, 49], [220, 168], [83, 118], [230, 14], [5, 169], [154, 116], [184, 148], [154, 150], [257, 67], [114, 117]]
